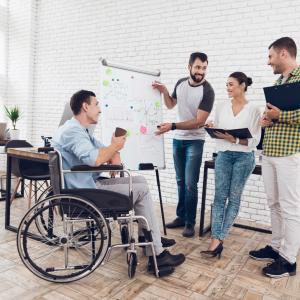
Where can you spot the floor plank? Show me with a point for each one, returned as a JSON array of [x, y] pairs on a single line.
[[234, 276]]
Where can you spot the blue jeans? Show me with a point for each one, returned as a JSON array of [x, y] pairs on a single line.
[[232, 170], [187, 156]]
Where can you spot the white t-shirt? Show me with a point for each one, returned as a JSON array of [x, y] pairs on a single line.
[[248, 117]]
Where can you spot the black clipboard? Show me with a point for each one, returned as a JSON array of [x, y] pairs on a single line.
[[285, 96], [241, 133]]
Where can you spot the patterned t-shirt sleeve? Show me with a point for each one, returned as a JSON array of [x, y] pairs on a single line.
[[208, 98]]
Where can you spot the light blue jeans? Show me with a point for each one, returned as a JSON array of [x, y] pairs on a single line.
[[232, 170], [187, 156]]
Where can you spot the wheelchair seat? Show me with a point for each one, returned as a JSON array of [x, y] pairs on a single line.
[[110, 203], [107, 201]]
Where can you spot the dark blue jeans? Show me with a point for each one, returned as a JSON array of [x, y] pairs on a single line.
[[187, 156], [232, 169]]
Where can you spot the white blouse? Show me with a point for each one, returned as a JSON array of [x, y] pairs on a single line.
[[248, 117]]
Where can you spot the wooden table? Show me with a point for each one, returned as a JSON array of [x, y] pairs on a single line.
[[18, 153]]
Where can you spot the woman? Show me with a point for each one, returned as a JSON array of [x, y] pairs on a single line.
[[235, 160]]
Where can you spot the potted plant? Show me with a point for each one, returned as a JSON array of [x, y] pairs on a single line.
[[14, 115]]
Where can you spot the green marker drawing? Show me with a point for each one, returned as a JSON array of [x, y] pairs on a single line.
[[157, 104], [108, 71], [105, 82]]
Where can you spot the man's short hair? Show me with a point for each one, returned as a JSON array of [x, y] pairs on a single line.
[[195, 55], [79, 98], [286, 43]]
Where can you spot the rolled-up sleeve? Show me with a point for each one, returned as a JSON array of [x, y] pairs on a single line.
[[78, 142]]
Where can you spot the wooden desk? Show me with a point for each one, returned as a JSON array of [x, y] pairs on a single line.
[[210, 164], [18, 153]]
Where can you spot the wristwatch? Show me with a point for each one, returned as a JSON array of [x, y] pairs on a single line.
[[173, 126]]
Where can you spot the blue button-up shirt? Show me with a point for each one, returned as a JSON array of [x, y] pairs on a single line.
[[77, 147]]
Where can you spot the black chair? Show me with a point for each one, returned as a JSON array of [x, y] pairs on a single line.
[[259, 146], [65, 237], [37, 173]]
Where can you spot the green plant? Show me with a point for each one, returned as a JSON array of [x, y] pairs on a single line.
[[13, 114]]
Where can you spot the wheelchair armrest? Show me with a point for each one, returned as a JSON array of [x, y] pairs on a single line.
[[98, 168]]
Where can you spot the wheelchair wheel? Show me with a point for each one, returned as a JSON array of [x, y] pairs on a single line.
[[74, 243], [132, 263]]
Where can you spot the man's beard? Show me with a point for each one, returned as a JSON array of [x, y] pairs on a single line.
[[195, 79], [277, 70]]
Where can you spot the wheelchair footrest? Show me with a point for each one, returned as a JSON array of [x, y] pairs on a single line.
[[67, 268]]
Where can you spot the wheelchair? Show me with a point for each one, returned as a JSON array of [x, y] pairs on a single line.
[[68, 234]]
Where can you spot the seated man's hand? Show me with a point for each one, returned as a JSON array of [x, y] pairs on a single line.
[[118, 142], [116, 159]]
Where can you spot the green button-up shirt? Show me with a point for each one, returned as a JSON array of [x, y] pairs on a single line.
[[283, 137]]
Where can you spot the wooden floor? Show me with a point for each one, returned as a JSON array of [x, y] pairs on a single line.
[[234, 276]]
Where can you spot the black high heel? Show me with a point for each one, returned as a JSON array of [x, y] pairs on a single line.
[[213, 253]]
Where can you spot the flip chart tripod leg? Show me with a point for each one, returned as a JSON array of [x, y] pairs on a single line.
[[160, 201]]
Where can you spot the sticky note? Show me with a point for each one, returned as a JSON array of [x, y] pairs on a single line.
[[108, 71], [143, 129], [157, 104], [105, 82]]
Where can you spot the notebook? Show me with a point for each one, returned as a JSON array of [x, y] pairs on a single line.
[[285, 96], [241, 133]]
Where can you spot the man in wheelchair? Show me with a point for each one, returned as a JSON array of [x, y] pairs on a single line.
[[78, 147]]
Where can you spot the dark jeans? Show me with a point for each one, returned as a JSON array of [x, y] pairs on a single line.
[[187, 156], [232, 169]]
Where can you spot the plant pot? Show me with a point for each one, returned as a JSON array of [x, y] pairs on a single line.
[[14, 134]]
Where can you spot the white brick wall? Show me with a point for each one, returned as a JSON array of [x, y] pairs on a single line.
[[54, 46], [21, 20], [3, 67]]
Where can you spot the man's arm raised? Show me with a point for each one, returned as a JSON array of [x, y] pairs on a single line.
[[169, 101]]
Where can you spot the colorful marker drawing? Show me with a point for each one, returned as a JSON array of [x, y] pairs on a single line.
[[115, 91]]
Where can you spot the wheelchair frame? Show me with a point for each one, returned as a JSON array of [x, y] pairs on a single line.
[[74, 234]]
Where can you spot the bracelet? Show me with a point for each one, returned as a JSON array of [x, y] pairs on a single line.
[[173, 126], [237, 141]]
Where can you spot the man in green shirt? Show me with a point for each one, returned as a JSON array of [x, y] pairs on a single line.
[[281, 168]]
